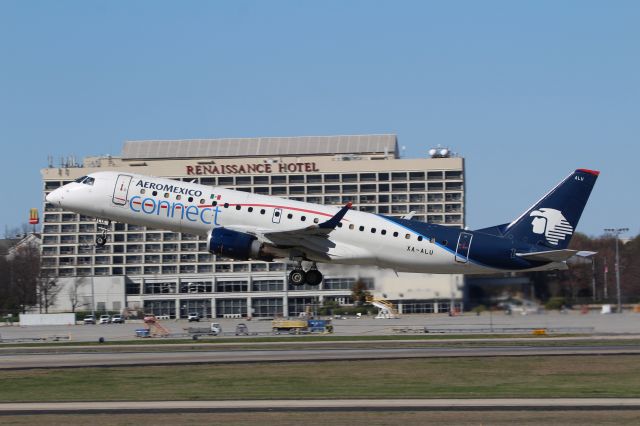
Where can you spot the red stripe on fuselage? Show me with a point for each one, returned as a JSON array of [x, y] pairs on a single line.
[[277, 207]]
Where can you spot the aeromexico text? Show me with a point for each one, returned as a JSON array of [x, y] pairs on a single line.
[[256, 168]]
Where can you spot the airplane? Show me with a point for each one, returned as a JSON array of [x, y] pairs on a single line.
[[242, 226]]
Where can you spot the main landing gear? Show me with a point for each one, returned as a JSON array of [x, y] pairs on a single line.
[[103, 229], [299, 277]]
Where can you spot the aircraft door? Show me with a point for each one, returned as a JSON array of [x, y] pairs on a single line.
[[277, 214], [464, 244], [121, 190]]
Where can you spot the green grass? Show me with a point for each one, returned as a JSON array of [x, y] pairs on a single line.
[[286, 339], [328, 418], [534, 376]]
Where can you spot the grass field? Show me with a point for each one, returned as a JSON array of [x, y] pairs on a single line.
[[535, 376], [410, 418]]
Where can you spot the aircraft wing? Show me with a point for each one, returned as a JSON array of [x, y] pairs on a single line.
[[319, 230], [554, 255], [311, 238]]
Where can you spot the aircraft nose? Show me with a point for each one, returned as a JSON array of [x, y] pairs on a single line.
[[55, 197]]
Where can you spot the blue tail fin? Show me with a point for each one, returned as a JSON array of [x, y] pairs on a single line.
[[552, 221]]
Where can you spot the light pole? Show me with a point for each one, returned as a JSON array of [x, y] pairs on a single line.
[[616, 233]]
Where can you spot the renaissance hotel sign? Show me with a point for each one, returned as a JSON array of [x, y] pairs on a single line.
[[251, 169]]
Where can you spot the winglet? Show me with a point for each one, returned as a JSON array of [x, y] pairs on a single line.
[[335, 220]]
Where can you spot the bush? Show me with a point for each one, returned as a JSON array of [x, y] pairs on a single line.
[[555, 303], [479, 309]]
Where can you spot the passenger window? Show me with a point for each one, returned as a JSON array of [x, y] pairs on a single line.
[[339, 224], [351, 226], [395, 234], [407, 236], [361, 228], [250, 209], [373, 230], [263, 211], [213, 203], [303, 218], [190, 199], [383, 232], [276, 214], [178, 197], [154, 193], [419, 237], [316, 220], [166, 195], [226, 205], [202, 201], [290, 216], [238, 207]]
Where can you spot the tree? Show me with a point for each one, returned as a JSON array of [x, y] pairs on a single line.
[[359, 293], [24, 276], [48, 290], [5, 291], [74, 299]]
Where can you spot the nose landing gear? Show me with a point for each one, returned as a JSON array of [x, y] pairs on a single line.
[[299, 277]]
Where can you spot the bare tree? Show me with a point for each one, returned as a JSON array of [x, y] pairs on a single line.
[[48, 290], [77, 283], [24, 276]]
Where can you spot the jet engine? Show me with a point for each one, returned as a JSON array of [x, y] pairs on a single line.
[[238, 245]]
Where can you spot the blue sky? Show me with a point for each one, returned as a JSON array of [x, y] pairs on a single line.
[[526, 91]]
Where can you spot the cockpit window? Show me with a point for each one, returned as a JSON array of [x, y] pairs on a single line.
[[87, 180]]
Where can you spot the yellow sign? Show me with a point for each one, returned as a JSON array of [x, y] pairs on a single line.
[[33, 217]]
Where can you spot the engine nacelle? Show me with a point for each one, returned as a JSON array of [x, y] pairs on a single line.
[[237, 245]]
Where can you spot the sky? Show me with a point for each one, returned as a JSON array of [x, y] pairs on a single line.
[[525, 91]]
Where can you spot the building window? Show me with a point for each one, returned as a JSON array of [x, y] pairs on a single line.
[[267, 285], [231, 307], [338, 283], [266, 307], [231, 286]]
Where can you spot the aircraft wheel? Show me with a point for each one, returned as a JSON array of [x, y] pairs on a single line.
[[314, 277], [101, 240], [297, 277]]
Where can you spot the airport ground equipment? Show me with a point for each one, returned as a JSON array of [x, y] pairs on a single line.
[[301, 326], [386, 308], [155, 328]]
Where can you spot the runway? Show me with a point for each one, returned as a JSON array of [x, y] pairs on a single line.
[[499, 404], [79, 358]]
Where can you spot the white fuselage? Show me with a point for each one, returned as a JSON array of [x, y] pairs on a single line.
[[362, 238]]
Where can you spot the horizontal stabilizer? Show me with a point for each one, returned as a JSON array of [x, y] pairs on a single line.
[[549, 256]]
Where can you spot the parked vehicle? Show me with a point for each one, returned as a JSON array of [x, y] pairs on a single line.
[[216, 328], [105, 319], [193, 317], [242, 329], [301, 326], [117, 319], [89, 319]]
